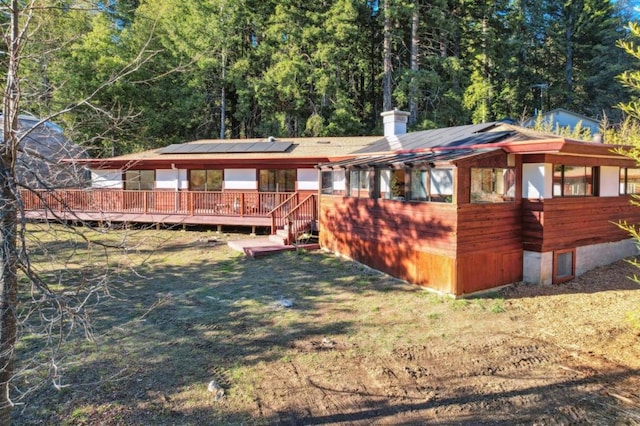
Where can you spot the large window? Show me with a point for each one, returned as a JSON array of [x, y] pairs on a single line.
[[359, 183], [281, 180], [572, 181], [392, 184], [492, 185], [205, 180], [432, 184], [333, 182], [629, 181], [326, 178], [139, 180]]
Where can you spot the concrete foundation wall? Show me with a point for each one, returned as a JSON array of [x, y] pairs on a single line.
[[538, 267], [589, 257]]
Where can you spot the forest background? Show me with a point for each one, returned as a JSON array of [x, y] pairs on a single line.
[[284, 68]]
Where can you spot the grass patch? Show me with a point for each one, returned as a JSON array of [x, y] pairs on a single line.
[[179, 313]]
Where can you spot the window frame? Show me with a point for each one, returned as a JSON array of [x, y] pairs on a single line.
[[427, 185], [206, 180], [556, 254], [394, 183], [595, 173], [139, 172], [362, 188], [278, 177], [326, 182], [624, 181], [494, 197]]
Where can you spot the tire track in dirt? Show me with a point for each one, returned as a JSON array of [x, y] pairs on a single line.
[[501, 379]]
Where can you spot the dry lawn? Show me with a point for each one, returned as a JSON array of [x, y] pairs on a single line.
[[308, 338]]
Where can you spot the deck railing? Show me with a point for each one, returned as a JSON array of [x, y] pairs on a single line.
[[301, 218], [223, 203]]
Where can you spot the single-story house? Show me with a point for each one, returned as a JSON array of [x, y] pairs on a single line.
[[470, 208], [240, 182], [458, 210]]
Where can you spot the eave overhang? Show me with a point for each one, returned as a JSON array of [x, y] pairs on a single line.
[[176, 162]]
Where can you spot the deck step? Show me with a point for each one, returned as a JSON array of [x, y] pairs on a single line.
[[267, 250]]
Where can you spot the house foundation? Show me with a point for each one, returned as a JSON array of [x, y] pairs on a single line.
[[538, 268]]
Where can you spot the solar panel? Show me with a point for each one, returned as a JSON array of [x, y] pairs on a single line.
[[226, 148]]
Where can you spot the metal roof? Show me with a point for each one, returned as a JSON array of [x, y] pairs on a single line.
[[390, 160], [226, 147], [473, 134]]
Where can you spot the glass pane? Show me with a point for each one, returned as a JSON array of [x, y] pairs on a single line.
[[197, 180], [364, 179], [492, 185], [354, 183], [574, 181], [327, 182], [286, 180], [509, 183], [132, 180], [623, 180], [385, 183], [339, 182], [557, 181], [267, 181], [419, 185], [397, 184], [137, 180], [633, 181], [441, 185], [565, 265], [147, 180], [214, 180]]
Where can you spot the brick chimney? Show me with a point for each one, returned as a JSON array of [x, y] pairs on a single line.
[[395, 122]]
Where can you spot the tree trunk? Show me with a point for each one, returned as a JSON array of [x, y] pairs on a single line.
[[223, 99], [569, 66], [571, 13], [9, 219], [386, 83], [415, 43]]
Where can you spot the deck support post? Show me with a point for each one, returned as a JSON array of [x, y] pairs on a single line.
[[253, 230], [219, 229]]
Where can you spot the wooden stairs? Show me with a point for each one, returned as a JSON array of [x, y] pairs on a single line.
[[293, 227]]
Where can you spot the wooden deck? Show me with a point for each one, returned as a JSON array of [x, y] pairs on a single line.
[[252, 209]]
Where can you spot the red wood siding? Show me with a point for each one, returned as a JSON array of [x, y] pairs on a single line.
[[579, 160], [412, 241], [563, 223], [454, 249], [489, 246]]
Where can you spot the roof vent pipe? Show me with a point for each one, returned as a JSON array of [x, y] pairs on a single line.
[[597, 138], [395, 122]]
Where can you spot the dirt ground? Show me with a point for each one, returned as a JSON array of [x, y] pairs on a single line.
[[354, 348], [558, 355]]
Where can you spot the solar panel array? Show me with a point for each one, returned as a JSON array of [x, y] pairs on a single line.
[[226, 148], [472, 134]]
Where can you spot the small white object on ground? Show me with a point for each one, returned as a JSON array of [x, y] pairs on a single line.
[[214, 387]]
